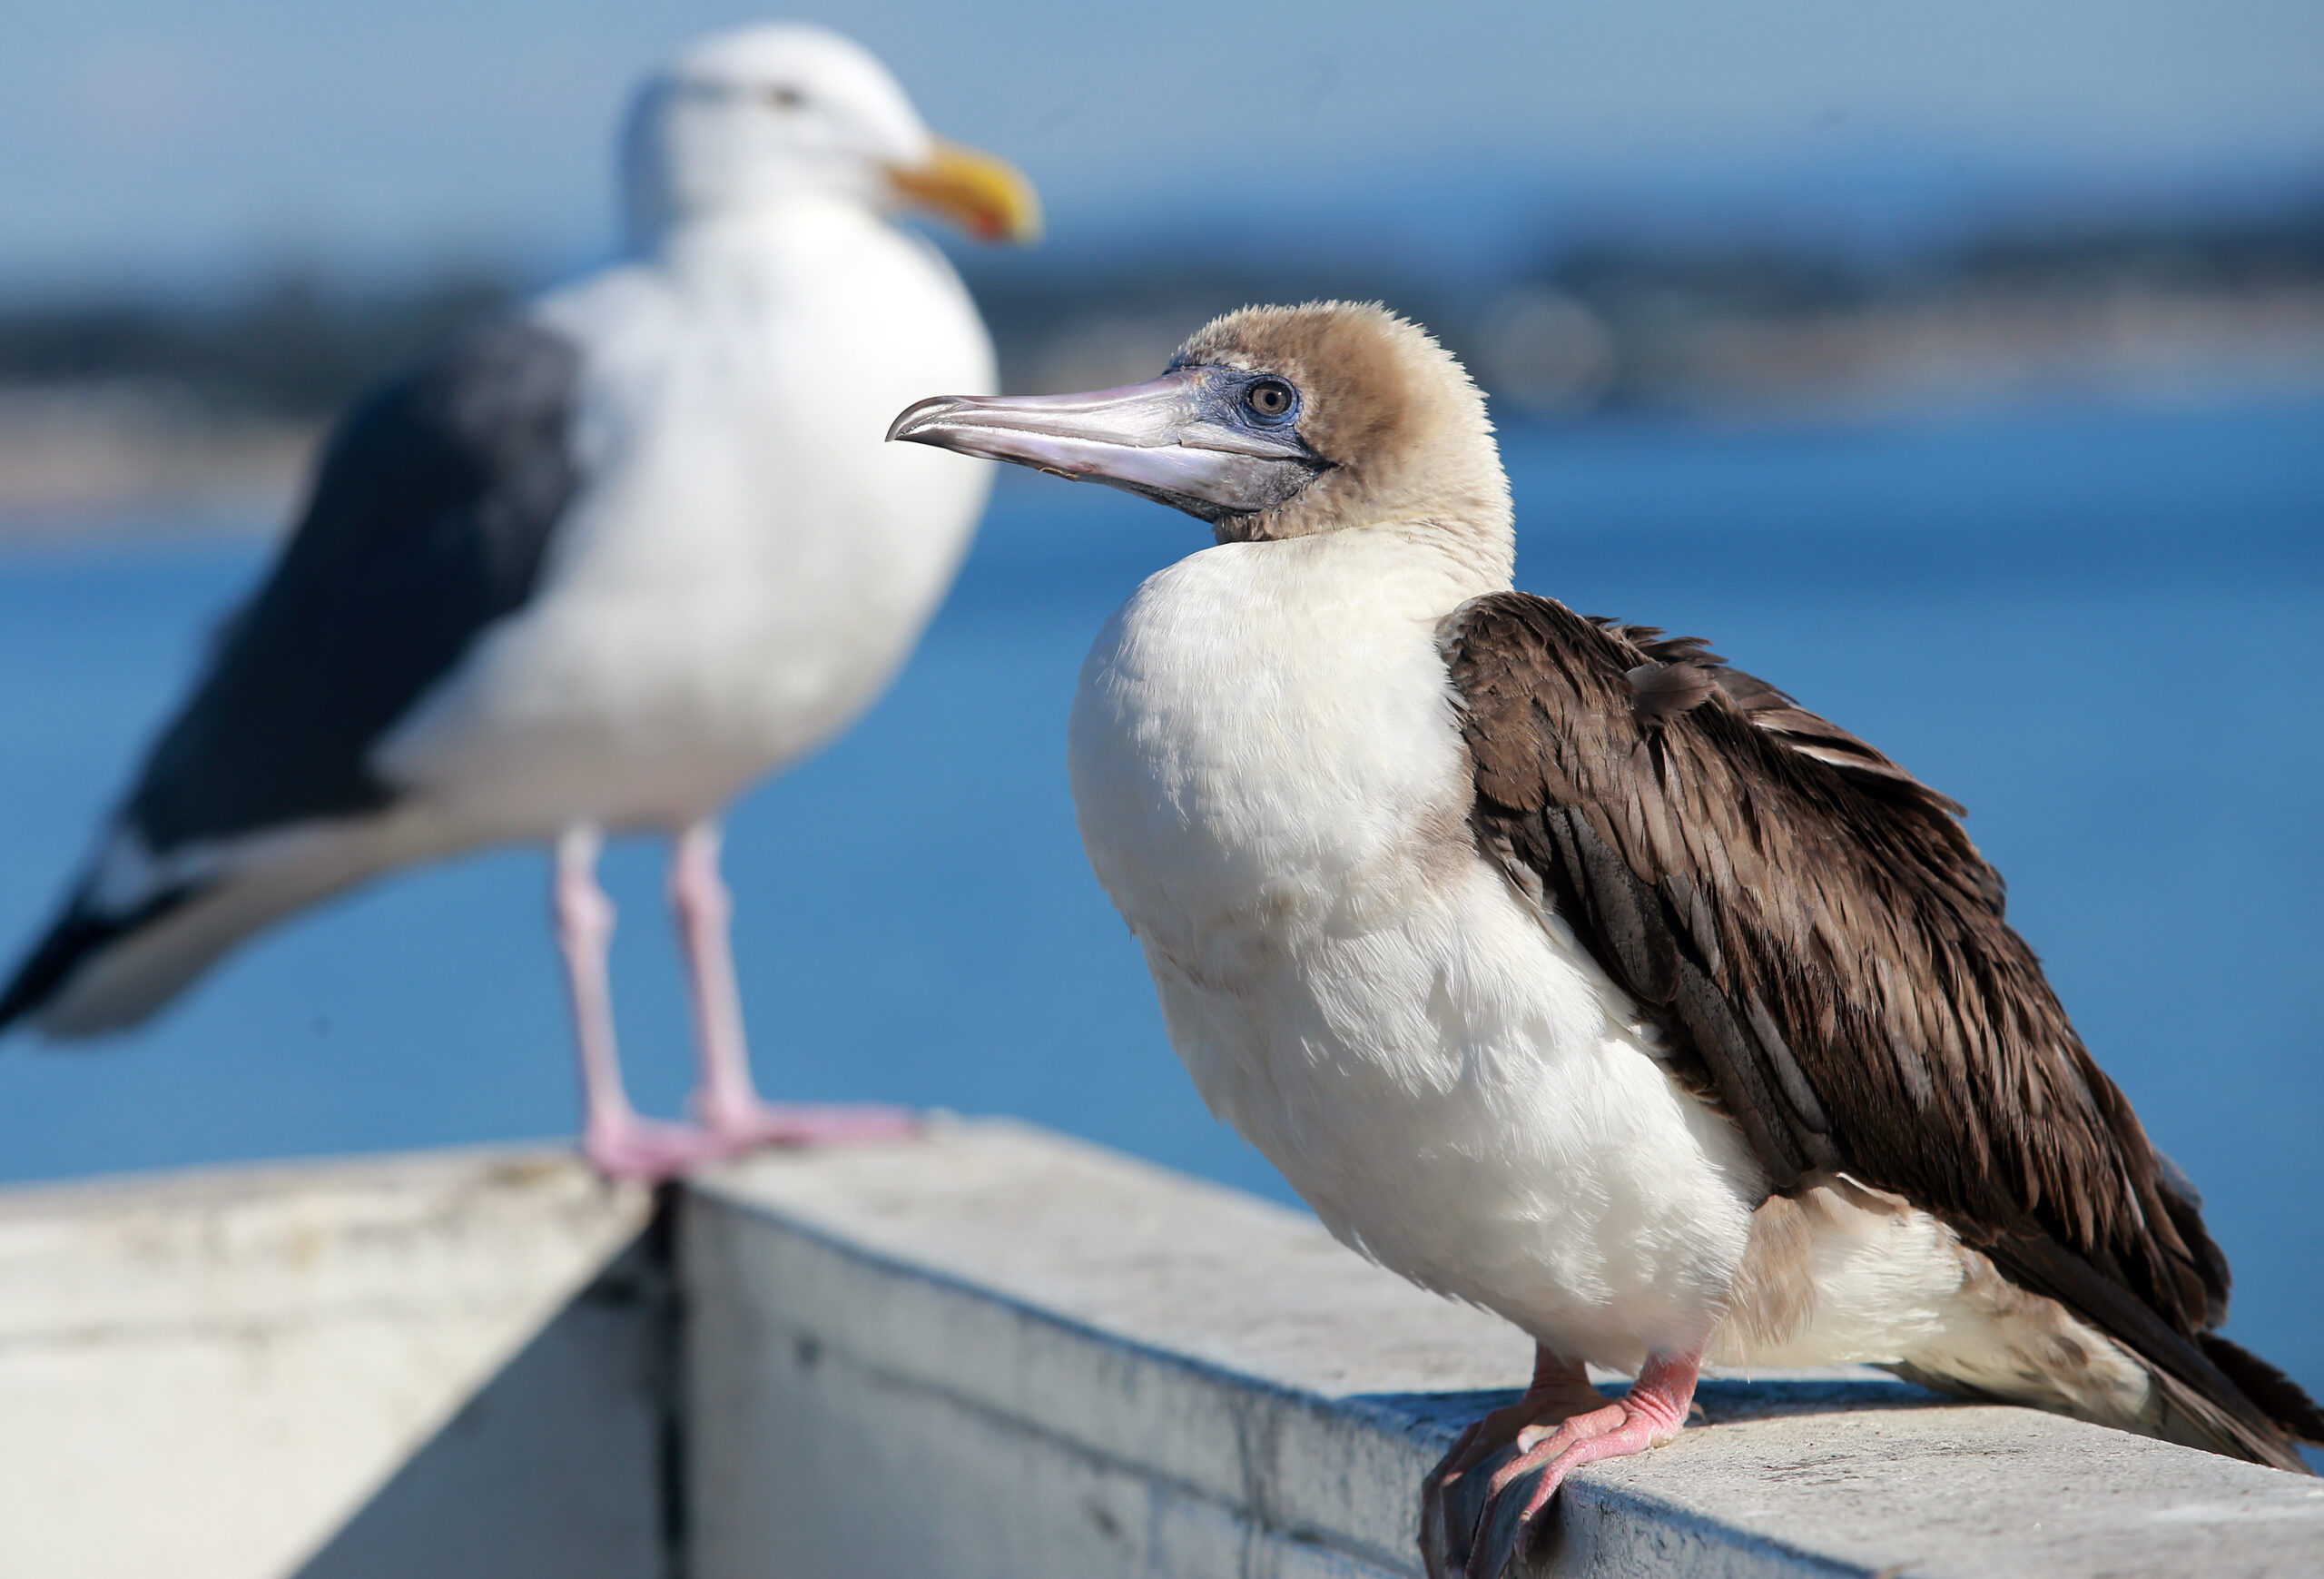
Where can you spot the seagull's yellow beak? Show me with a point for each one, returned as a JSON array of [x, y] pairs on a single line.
[[987, 197]]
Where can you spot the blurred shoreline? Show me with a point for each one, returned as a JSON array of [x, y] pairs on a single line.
[[202, 420], [142, 459]]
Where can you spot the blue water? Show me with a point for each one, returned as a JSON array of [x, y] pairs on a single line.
[[2102, 629]]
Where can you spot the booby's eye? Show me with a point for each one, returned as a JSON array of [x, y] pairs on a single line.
[[1269, 397], [784, 98]]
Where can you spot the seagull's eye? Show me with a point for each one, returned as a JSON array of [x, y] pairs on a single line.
[[784, 98], [1269, 397]]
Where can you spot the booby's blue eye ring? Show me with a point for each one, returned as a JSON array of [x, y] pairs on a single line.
[[1270, 399], [784, 97]]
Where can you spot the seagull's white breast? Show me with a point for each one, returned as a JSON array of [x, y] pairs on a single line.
[[1271, 784], [747, 561]]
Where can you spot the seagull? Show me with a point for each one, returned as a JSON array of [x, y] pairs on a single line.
[[1567, 971], [593, 568]]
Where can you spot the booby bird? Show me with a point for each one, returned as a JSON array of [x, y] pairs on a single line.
[[595, 567], [1565, 969]]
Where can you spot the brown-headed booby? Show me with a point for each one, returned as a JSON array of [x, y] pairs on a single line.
[[1564, 969], [595, 567]]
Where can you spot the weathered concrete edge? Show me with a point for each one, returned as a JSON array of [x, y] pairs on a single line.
[[332, 1367], [1014, 1363], [1614, 1533], [1289, 1466]]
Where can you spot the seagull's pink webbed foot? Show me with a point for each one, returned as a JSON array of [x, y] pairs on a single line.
[[1476, 1530], [739, 1125], [726, 1101], [731, 1116], [624, 1146]]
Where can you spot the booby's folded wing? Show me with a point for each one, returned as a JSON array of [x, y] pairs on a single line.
[[1811, 923], [431, 514]]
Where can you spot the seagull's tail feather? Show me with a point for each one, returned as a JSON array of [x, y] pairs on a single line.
[[102, 967], [77, 936]]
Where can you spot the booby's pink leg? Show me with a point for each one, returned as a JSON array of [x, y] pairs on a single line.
[[1650, 1414], [727, 1099], [616, 1142]]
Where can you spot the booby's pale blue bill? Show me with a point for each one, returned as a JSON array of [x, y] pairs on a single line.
[[1187, 438]]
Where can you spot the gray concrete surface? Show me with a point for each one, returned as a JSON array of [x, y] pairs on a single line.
[[435, 1364], [992, 1352], [1001, 1352]]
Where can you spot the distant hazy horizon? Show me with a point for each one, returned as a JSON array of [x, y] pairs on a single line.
[[162, 146]]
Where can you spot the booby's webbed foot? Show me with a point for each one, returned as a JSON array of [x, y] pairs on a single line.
[[740, 1126], [1484, 1505], [1453, 1496]]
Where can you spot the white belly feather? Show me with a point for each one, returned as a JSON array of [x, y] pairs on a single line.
[[1271, 784]]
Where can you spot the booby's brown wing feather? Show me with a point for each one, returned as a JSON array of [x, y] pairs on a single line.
[[1810, 921]]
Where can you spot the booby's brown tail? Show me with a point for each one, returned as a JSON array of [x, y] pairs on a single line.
[[2283, 1399], [2216, 1394]]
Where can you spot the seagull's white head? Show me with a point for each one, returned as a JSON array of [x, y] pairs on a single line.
[[756, 119], [1271, 422]]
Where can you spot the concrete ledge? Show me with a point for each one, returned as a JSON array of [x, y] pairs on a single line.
[[992, 1352], [341, 1368], [1004, 1353]]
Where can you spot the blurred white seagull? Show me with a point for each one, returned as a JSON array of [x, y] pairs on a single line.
[[1567, 971], [595, 567]]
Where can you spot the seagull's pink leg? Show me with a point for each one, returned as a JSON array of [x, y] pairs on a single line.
[[726, 1099], [616, 1142], [1650, 1414]]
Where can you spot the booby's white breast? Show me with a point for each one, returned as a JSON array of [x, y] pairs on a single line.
[[1272, 786], [747, 562]]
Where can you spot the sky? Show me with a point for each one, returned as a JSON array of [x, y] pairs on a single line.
[[165, 143]]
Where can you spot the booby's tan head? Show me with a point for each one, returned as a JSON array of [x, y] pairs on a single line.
[[1271, 422]]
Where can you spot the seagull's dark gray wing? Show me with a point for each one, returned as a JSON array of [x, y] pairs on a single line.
[[431, 516], [1810, 925]]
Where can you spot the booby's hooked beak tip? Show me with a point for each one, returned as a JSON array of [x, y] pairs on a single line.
[[1174, 439], [911, 424]]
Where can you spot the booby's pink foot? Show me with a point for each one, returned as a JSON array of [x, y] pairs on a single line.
[[1453, 1496], [743, 1126], [1477, 1531], [647, 1150]]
